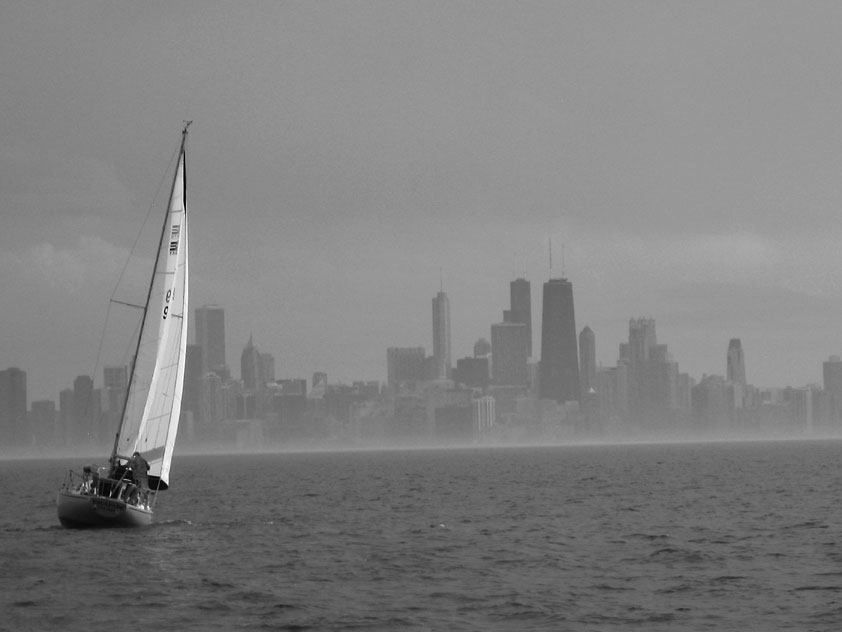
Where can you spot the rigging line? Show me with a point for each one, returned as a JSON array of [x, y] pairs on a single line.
[[123, 272], [164, 179], [114, 300]]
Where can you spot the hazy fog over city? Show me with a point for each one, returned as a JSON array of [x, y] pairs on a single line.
[[350, 160]]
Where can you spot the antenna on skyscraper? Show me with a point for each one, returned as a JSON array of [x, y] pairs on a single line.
[[562, 260], [550, 247]]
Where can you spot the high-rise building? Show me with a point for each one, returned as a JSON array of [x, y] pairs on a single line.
[[404, 364], [508, 353], [65, 435], [13, 423], [483, 414], [43, 421], [441, 336], [212, 400], [267, 365], [472, 372], [736, 369], [559, 354], [191, 397], [832, 374], [210, 336], [520, 311], [251, 369], [87, 412], [587, 358], [642, 339], [115, 387], [657, 399], [115, 377]]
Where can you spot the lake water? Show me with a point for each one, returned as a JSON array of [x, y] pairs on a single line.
[[719, 537]]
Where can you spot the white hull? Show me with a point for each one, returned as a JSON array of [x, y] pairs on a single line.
[[78, 510]]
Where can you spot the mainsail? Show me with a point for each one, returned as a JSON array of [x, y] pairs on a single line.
[[153, 405]]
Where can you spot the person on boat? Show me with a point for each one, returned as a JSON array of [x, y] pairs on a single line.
[[118, 470], [140, 472], [87, 480]]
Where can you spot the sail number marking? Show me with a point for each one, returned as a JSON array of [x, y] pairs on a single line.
[[167, 300], [175, 232]]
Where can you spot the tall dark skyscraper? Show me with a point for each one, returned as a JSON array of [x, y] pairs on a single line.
[[210, 336], [509, 359], [13, 404], [520, 311], [587, 358], [736, 369], [441, 336], [251, 368], [559, 354]]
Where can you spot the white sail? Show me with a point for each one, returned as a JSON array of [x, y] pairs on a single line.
[[150, 420]]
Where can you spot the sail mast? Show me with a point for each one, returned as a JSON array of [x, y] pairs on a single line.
[[161, 239]]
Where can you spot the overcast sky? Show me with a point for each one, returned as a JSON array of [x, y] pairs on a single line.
[[345, 156]]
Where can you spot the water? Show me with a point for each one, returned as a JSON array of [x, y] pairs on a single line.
[[651, 537]]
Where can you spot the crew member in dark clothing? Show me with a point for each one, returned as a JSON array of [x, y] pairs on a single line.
[[140, 472]]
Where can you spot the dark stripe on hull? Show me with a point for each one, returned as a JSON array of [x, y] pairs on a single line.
[[80, 511]]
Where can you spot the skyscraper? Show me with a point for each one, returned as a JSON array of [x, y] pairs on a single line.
[[210, 336], [520, 310], [87, 410], [267, 366], [559, 355], [43, 421], [642, 339], [13, 426], [251, 367], [832, 375], [587, 359], [441, 336], [116, 377], [736, 369], [508, 353], [115, 386], [191, 397], [65, 433], [472, 372], [404, 364], [655, 400]]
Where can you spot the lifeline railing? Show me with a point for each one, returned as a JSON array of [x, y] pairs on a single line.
[[96, 485]]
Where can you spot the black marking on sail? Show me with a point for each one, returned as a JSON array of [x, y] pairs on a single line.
[[176, 229]]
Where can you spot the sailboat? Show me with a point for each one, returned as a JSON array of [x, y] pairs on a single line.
[[123, 494]]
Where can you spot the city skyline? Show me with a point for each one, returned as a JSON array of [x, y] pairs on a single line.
[[644, 395], [344, 156], [512, 336]]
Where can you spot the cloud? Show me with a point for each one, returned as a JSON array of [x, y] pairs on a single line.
[[90, 264]]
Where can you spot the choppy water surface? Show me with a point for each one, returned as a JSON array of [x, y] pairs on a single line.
[[651, 537]]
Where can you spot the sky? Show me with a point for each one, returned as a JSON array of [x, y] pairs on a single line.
[[349, 159]]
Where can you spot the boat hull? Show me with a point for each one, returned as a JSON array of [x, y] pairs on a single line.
[[78, 511]]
